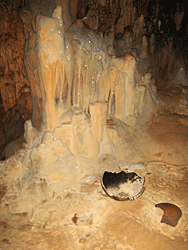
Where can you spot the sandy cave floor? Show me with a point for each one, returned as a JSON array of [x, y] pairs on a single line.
[[113, 225]]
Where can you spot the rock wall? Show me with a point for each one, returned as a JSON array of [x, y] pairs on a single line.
[[12, 41]]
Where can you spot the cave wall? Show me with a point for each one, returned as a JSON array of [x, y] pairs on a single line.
[[12, 69]]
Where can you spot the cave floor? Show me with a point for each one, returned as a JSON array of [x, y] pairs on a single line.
[[95, 221], [44, 216]]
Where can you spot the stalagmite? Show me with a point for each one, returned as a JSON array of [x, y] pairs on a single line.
[[152, 43], [178, 18], [146, 97], [139, 27], [98, 111], [144, 48]]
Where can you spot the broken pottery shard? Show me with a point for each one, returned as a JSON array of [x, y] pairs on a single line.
[[123, 186], [138, 168], [171, 215]]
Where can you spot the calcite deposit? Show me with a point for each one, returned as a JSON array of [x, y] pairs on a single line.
[[86, 88]]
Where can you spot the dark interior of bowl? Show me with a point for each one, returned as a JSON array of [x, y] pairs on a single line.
[[115, 179]]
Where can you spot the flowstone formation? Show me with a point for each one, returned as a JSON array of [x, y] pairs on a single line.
[[74, 69], [76, 85]]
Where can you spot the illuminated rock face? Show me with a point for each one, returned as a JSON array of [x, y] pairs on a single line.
[[74, 69], [49, 63]]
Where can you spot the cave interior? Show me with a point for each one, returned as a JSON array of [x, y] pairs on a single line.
[[92, 91]]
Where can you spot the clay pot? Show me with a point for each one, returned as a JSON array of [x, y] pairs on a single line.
[[123, 186]]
